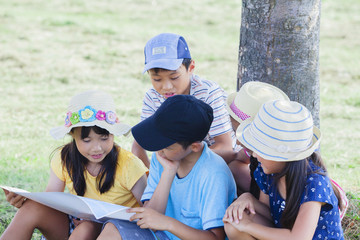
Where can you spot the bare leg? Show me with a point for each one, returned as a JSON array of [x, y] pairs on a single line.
[[86, 230], [109, 232], [241, 173], [52, 223]]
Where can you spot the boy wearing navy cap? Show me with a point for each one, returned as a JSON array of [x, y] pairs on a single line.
[[189, 186], [171, 70]]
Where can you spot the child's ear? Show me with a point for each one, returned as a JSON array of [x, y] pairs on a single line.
[[192, 66], [196, 146]]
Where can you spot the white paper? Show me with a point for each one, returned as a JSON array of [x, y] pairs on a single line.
[[77, 206]]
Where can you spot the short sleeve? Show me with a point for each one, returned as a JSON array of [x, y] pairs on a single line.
[[217, 99], [131, 167], [151, 103], [318, 188], [57, 167], [153, 178], [218, 193]]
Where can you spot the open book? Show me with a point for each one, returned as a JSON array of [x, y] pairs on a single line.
[[77, 206]]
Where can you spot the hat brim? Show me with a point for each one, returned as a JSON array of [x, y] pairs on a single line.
[[168, 64], [229, 101], [148, 137], [117, 129], [246, 138]]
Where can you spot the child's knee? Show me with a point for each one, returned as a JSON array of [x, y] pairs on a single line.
[[109, 232], [232, 233]]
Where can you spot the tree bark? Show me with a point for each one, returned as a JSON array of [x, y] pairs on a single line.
[[279, 44]]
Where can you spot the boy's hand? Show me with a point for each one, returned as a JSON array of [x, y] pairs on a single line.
[[149, 218], [166, 163], [14, 199]]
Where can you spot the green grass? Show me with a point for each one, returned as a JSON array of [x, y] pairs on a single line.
[[51, 50]]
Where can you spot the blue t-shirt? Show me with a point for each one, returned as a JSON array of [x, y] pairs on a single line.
[[201, 198], [318, 188]]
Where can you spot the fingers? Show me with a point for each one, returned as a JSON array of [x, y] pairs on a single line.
[[15, 199]]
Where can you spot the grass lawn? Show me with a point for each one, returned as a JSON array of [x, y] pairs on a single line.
[[51, 50]]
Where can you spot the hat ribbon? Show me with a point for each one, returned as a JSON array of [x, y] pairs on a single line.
[[243, 116]]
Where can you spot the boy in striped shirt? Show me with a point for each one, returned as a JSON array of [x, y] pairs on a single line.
[[171, 69]]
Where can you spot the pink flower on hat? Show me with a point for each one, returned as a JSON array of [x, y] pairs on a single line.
[[100, 115], [74, 119], [67, 119], [110, 117]]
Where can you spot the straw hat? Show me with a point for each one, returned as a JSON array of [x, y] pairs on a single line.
[[281, 131], [245, 104], [91, 108]]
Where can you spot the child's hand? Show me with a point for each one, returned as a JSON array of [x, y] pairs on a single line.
[[149, 218], [245, 203], [14, 199], [166, 163]]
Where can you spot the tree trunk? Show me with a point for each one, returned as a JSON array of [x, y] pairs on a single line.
[[279, 44]]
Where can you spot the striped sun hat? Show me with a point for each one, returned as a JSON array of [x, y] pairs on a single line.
[[281, 131], [245, 103]]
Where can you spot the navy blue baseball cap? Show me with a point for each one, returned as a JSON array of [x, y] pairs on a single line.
[[166, 50], [179, 118]]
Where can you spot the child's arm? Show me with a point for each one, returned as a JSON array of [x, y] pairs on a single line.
[[138, 151], [303, 229], [223, 146], [160, 196], [138, 189], [247, 203], [149, 218], [55, 184]]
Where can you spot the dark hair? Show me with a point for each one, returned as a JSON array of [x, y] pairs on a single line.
[[296, 175], [75, 164], [186, 62], [254, 188], [185, 144]]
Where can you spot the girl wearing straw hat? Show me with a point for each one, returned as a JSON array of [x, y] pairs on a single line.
[[297, 199], [91, 165], [243, 105]]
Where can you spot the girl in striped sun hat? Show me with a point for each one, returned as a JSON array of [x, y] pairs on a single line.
[[297, 199]]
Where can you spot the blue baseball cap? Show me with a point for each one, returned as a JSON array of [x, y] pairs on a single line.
[[166, 50], [179, 118]]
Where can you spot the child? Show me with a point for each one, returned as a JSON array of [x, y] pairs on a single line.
[[297, 199], [91, 165], [189, 186], [171, 69], [243, 105]]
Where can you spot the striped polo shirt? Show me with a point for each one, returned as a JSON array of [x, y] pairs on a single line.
[[204, 90]]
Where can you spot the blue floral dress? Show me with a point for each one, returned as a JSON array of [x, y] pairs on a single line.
[[318, 188]]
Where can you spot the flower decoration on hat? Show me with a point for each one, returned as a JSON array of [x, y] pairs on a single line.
[[87, 114], [100, 115], [111, 117], [74, 119], [67, 119]]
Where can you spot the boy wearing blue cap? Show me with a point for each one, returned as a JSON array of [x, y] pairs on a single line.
[[171, 69], [183, 199]]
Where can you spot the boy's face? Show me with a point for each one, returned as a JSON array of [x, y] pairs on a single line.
[[169, 83], [174, 152]]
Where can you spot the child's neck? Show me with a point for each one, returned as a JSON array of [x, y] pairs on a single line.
[[93, 168], [187, 163]]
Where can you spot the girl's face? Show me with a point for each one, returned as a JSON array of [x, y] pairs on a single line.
[[270, 166], [94, 147]]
